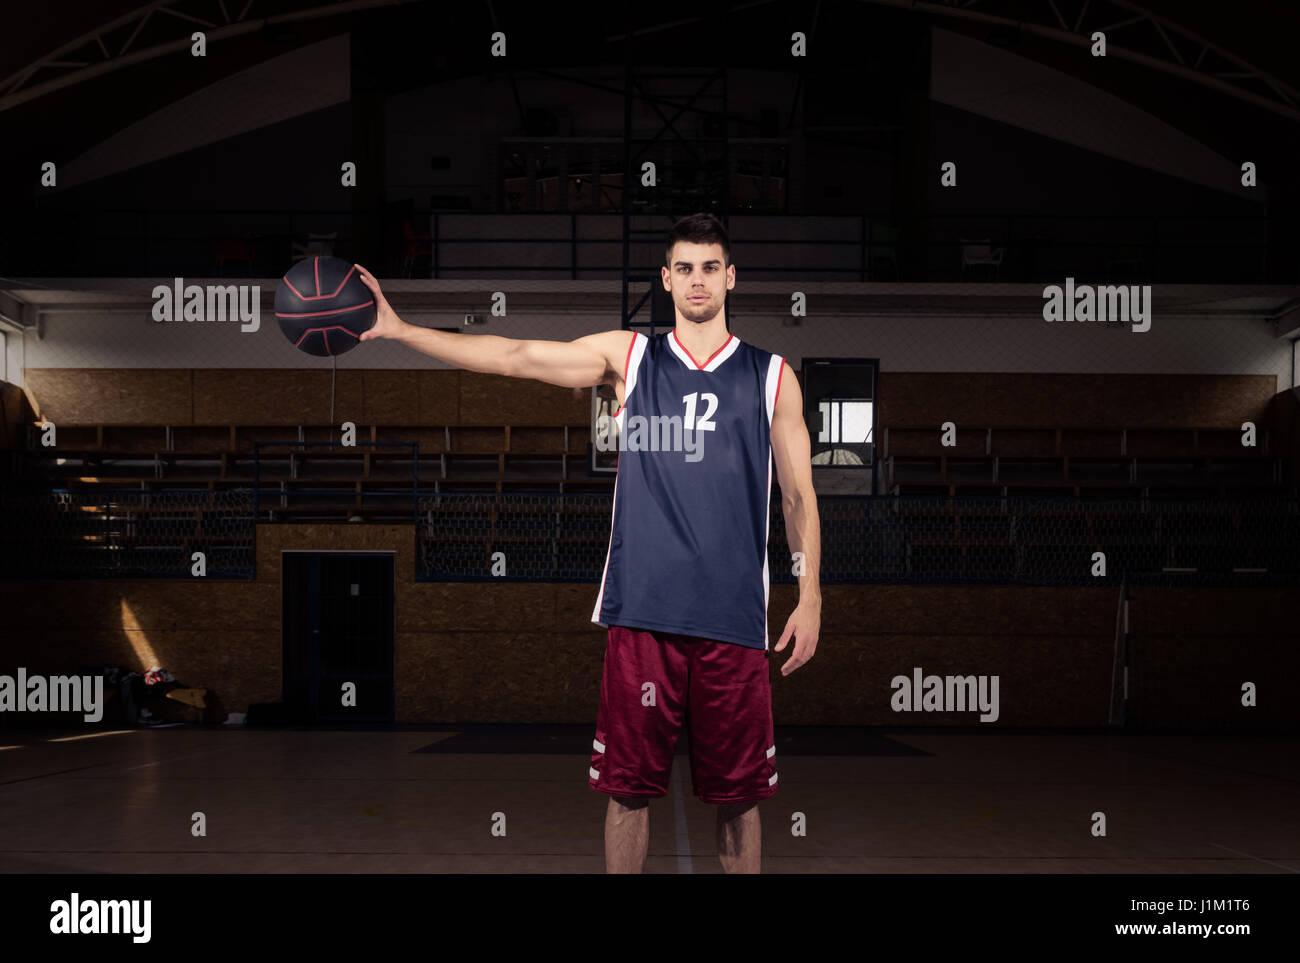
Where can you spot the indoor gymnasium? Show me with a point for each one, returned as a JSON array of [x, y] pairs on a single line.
[[501, 439]]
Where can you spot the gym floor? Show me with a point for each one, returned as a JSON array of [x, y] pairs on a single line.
[[423, 799]]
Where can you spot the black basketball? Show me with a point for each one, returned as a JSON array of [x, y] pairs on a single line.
[[323, 307]]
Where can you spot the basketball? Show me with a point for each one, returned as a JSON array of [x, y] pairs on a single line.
[[323, 307]]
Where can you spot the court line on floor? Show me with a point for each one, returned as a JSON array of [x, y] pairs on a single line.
[[192, 755], [679, 822], [46, 775], [99, 765], [1261, 859]]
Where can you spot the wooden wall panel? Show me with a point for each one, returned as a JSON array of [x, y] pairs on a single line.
[[273, 539], [251, 396], [516, 652], [497, 400], [453, 397], [520, 676], [439, 397], [926, 399], [918, 400], [1232, 398], [391, 398], [349, 401], [95, 396], [115, 605]]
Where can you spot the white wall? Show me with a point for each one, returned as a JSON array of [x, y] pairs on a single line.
[[997, 342]]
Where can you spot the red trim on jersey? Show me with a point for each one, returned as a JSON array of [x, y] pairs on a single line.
[[699, 366], [626, 361], [780, 373]]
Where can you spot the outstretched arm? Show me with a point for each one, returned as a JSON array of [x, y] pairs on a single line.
[[582, 363]]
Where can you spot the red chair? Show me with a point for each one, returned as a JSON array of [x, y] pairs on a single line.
[[414, 246], [233, 249]]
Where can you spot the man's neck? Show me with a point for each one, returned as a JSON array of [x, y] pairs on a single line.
[[702, 341]]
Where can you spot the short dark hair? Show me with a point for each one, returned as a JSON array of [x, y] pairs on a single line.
[[698, 229]]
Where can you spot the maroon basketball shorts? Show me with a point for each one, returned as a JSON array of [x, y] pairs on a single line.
[[653, 683]]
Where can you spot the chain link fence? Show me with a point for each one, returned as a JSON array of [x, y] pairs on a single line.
[[126, 534], [541, 537], [901, 539]]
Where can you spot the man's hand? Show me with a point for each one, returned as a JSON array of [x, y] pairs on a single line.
[[387, 323], [804, 622]]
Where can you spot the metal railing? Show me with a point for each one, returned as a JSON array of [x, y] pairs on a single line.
[[851, 248]]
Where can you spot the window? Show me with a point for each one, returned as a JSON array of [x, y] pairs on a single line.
[[840, 411], [846, 424]]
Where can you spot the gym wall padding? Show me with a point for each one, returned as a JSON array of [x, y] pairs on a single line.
[[927, 399], [210, 396], [520, 652]]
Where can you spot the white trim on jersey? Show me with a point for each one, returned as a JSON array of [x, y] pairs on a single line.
[[729, 348], [774, 368], [767, 533], [639, 344]]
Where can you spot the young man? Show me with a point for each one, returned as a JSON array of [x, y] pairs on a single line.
[[685, 587]]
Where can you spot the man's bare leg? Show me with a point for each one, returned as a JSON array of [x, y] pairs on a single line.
[[627, 834], [740, 838]]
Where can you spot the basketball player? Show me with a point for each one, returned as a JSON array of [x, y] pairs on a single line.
[[685, 587]]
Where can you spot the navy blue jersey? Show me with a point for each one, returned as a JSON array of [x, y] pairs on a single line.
[[688, 538]]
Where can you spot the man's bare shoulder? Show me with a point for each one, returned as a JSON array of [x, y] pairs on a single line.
[[613, 346]]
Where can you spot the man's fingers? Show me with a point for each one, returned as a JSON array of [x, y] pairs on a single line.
[[791, 663], [785, 636], [366, 278]]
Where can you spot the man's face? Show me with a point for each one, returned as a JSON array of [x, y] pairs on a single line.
[[698, 281]]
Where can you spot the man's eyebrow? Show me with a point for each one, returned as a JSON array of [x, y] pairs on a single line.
[[715, 260]]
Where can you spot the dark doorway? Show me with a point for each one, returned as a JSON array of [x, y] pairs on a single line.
[[338, 628]]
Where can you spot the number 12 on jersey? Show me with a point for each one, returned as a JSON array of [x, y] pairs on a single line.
[[705, 423]]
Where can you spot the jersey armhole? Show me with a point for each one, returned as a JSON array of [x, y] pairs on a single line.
[[626, 362]]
